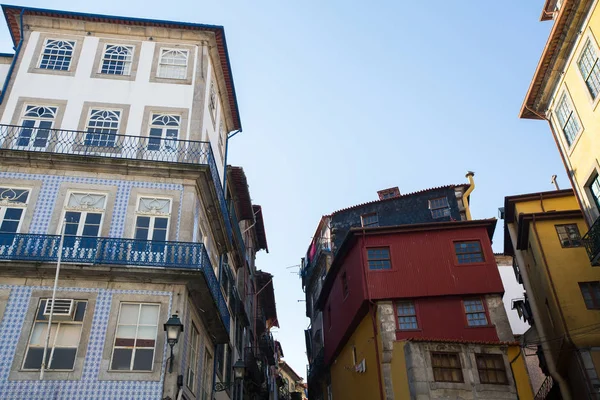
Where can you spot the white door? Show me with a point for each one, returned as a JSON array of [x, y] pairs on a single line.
[[36, 124], [163, 138], [151, 230]]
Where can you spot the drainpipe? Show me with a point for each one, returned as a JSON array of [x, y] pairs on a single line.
[[14, 61], [470, 175], [562, 383]]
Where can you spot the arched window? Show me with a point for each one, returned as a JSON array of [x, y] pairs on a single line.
[[35, 127], [117, 60], [57, 54], [102, 127], [173, 64], [164, 132]]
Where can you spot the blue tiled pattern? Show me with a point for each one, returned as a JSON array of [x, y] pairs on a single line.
[[51, 183], [86, 388]]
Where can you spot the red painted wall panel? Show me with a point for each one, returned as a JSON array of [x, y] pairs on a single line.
[[444, 318], [423, 266]]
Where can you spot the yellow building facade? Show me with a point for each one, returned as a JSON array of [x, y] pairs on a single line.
[[565, 91], [373, 365], [543, 233]]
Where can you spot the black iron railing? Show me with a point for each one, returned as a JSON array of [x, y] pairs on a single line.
[[115, 251], [517, 271], [591, 241], [109, 145]]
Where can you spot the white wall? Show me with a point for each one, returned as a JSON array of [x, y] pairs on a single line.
[[3, 72], [512, 290]]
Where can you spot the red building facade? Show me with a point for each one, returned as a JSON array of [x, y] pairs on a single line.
[[439, 275]]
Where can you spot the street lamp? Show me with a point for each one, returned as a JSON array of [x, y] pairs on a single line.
[[238, 374], [173, 327]]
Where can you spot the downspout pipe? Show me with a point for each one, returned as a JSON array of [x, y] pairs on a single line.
[[467, 193], [562, 383], [14, 61]]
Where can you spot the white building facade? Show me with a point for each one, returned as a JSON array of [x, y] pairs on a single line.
[[114, 131]]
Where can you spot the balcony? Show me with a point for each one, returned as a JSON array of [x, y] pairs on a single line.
[[317, 368], [323, 248], [267, 347], [99, 251], [523, 309], [591, 241], [104, 148], [517, 271]]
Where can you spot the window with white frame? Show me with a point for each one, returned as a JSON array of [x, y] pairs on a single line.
[[213, 98], [173, 64], [207, 368], [35, 126], [57, 54], [369, 220], [116, 60], [192, 371], [589, 68], [135, 338], [13, 203], [83, 217], [65, 335], [151, 229], [164, 132], [567, 118], [594, 188], [102, 127]]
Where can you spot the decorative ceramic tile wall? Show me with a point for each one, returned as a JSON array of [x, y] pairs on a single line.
[[46, 202], [89, 387]]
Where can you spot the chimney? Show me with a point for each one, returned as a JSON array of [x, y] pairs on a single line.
[[389, 193]]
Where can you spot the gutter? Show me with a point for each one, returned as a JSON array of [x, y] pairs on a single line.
[[14, 61], [552, 367], [467, 193]]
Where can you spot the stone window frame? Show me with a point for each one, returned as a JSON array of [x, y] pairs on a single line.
[[105, 373], [158, 47], [22, 102], [4, 295], [17, 374], [132, 205], [66, 188], [34, 187], [102, 43], [37, 55], [472, 352], [83, 120]]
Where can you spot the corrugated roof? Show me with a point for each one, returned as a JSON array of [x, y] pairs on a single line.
[[401, 196], [260, 228], [12, 13], [239, 183]]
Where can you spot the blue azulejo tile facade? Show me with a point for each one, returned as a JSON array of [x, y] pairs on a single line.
[[88, 387], [46, 202]]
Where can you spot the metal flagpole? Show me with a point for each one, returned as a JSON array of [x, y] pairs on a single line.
[[60, 250]]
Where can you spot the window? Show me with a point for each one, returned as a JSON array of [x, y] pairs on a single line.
[[102, 127], [589, 68], [468, 252], [354, 358], [207, 368], [173, 64], [345, 289], [594, 187], [65, 335], [220, 360], [369, 220], [567, 119], [83, 219], [228, 370], [116, 60], [222, 138], [135, 337], [491, 369], [446, 367], [213, 98], [192, 370], [57, 55], [35, 127], [591, 294], [439, 207], [164, 132], [407, 316], [13, 203], [475, 312], [568, 235], [379, 258], [151, 228]]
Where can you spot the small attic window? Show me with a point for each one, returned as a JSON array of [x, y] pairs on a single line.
[[439, 207]]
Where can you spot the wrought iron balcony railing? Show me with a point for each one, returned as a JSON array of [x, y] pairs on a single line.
[[323, 247], [591, 241], [108, 145], [115, 251], [545, 388]]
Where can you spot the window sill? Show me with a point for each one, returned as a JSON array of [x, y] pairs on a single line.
[[408, 330], [475, 264], [479, 326]]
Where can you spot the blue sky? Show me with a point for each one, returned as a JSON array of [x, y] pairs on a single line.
[[340, 99]]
